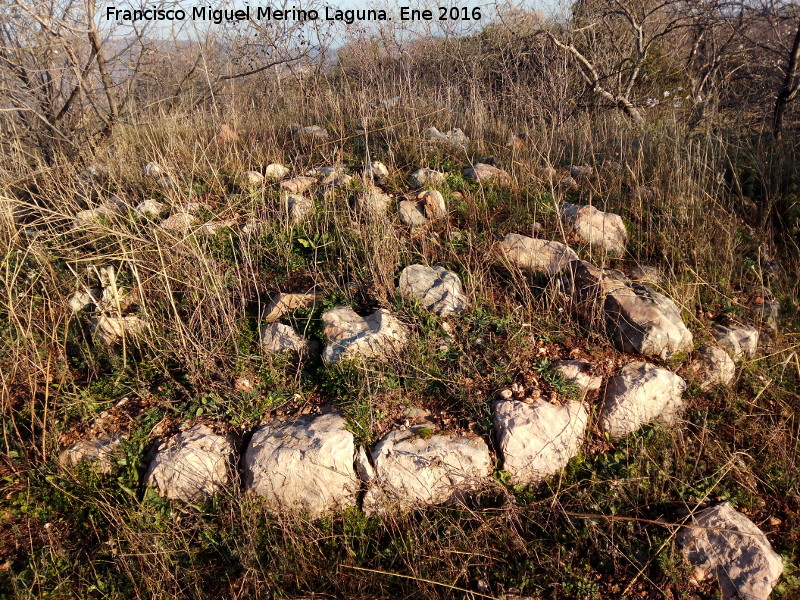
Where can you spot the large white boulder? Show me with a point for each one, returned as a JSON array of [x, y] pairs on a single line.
[[538, 440], [595, 227], [379, 335], [726, 545], [303, 465], [192, 465], [640, 394], [437, 289]]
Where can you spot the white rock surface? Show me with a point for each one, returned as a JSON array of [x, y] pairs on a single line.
[[416, 467], [153, 170], [179, 221], [740, 341], [379, 335], [711, 367], [595, 227], [96, 173], [149, 208], [192, 465], [426, 178], [303, 465], [535, 255], [423, 208], [251, 179], [454, 138], [275, 171], [373, 202], [376, 172], [578, 372], [364, 468], [482, 172], [110, 329], [538, 440], [729, 547], [580, 172], [277, 337], [98, 450], [298, 185], [437, 289], [83, 299], [640, 394], [282, 304], [297, 207], [311, 132]]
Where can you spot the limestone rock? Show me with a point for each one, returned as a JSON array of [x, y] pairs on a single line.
[[364, 468], [422, 208], [637, 317], [640, 394], [538, 440], [96, 173], [98, 450], [303, 465], [373, 202], [597, 228], [179, 221], [567, 184], [578, 372], [83, 299], [109, 330], [535, 255], [426, 178], [277, 337], [483, 172], [309, 133], [437, 289], [712, 367], [379, 335], [376, 172], [297, 207], [728, 546], [417, 467], [251, 179], [149, 208], [580, 172], [646, 274], [275, 171], [153, 170], [740, 341], [283, 304], [297, 185], [455, 138], [191, 466]]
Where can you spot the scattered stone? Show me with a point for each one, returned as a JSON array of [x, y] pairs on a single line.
[[364, 468], [179, 221], [324, 171], [640, 394], [83, 299], [483, 172], [438, 290], [109, 330], [251, 179], [349, 335], [283, 304], [580, 172], [538, 440], [454, 138], [373, 202], [535, 255], [567, 184], [740, 341], [98, 450], [726, 545], [646, 274], [303, 465], [637, 317], [85, 217], [417, 467], [275, 171], [426, 178], [297, 207], [424, 207], [191, 466], [277, 337], [149, 208], [310, 133], [297, 185], [338, 180], [167, 182], [578, 372], [95, 173], [595, 227], [376, 172], [712, 367], [153, 170]]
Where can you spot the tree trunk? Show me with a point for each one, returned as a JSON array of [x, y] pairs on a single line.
[[789, 88]]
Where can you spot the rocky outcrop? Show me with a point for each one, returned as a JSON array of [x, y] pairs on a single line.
[[373, 202], [726, 545], [149, 208], [711, 367], [637, 318], [596, 228], [111, 329], [426, 178], [192, 465], [283, 304], [98, 450], [640, 394], [578, 372], [297, 185], [740, 341], [437, 289], [482, 172], [538, 440], [309, 133], [455, 138], [251, 179], [376, 172], [376, 336], [303, 465], [297, 207], [417, 467], [277, 337], [535, 255], [275, 171]]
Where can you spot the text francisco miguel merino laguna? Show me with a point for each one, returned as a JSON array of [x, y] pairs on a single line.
[[260, 13]]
